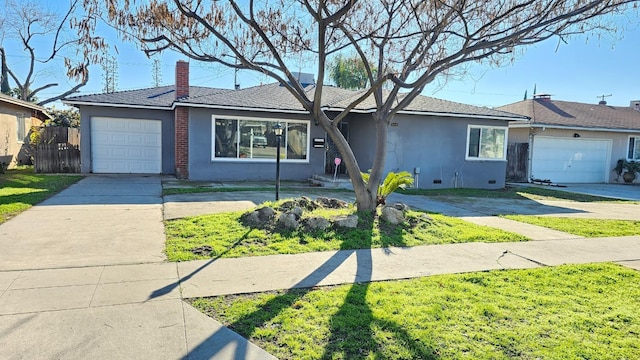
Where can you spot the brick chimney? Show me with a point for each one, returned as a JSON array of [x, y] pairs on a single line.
[[182, 121], [182, 79]]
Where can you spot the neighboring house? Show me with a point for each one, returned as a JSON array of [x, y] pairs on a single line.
[[573, 142], [201, 133], [16, 119]]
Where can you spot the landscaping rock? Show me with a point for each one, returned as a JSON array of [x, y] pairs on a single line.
[[259, 218], [420, 220], [392, 215], [306, 203], [400, 206], [302, 202], [297, 211], [316, 223], [287, 205], [349, 221], [288, 221], [266, 213], [331, 203]]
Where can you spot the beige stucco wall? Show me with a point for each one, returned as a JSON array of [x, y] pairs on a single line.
[[12, 149], [619, 140]]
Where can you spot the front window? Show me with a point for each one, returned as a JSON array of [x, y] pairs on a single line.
[[486, 143], [255, 139], [21, 127], [634, 148]]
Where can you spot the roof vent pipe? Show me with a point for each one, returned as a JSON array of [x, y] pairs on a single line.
[[542, 97]]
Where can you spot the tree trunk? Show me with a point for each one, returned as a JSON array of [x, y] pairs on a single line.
[[365, 199], [366, 195], [380, 154]]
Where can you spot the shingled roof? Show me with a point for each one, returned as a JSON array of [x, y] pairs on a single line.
[[274, 97], [547, 112]]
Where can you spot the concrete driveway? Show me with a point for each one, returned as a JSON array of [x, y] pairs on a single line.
[[615, 190], [101, 220]]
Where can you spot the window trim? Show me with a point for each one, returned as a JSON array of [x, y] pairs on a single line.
[[24, 131], [283, 145], [478, 158], [636, 142]]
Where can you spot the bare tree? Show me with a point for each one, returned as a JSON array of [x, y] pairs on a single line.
[[28, 23], [409, 42]]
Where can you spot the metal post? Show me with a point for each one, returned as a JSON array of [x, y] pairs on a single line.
[[277, 129], [278, 167]]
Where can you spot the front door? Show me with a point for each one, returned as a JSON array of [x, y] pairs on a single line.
[[332, 152]]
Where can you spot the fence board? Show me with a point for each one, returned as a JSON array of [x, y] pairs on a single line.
[[517, 162], [59, 151]]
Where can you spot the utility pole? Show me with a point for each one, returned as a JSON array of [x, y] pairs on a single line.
[[156, 73], [110, 75], [236, 85]]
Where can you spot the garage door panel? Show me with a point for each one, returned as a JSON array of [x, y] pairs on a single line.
[[570, 160], [126, 145]]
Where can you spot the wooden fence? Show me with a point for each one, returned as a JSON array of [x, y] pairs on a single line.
[[58, 150], [517, 162]]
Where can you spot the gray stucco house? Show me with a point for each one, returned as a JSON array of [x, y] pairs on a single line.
[[571, 142], [201, 133]]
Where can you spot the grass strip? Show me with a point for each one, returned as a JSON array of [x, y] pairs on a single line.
[[228, 237], [566, 312], [512, 192], [209, 189], [582, 226]]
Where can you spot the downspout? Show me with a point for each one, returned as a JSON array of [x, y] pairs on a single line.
[[530, 155]]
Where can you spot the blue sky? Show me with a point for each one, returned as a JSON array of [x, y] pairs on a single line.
[[578, 71]]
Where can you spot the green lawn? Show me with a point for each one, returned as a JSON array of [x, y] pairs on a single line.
[[512, 192], [582, 226], [228, 237], [566, 312], [21, 189]]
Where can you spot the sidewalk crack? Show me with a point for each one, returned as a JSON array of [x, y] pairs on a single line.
[[96, 288]]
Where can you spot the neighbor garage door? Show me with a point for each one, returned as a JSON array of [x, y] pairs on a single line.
[[570, 160], [129, 146]]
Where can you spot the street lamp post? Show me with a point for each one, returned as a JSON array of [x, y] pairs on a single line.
[[277, 129]]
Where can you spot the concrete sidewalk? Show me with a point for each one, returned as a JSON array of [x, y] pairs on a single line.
[[136, 311]]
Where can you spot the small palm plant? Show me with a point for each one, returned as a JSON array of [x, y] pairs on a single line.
[[391, 183]]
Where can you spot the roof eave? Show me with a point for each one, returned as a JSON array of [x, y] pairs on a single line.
[[22, 103], [569, 127], [133, 106], [445, 114], [239, 108]]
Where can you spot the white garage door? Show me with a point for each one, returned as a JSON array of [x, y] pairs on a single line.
[[126, 146], [570, 160]]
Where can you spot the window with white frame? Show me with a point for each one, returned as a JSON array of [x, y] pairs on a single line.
[[254, 139], [21, 127], [486, 143], [634, 148]]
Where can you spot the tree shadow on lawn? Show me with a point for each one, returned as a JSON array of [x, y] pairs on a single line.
[[351, 331]]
